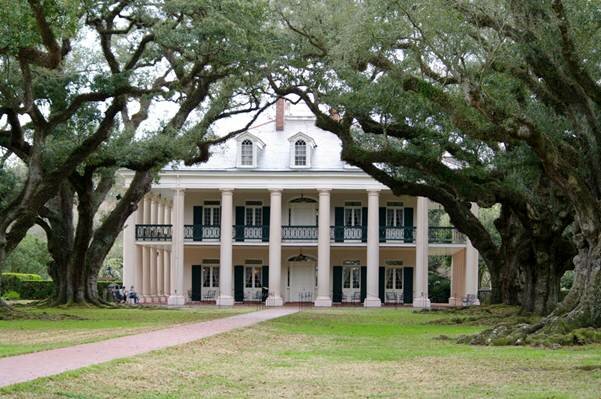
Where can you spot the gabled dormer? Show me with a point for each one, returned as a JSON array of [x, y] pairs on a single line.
[[249, 147], [301, 150]]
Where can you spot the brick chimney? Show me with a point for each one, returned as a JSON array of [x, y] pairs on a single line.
[[280, 106]]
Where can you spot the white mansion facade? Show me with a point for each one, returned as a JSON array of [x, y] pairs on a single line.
[[276, 213]]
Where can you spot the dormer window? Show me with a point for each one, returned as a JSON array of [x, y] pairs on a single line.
[[301, 150], [246, 153], [300, 153], [248, 150]]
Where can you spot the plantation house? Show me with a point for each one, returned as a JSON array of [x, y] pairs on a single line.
[[276, 208]]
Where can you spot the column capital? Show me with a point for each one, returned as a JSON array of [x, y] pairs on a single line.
[[373, 191], [275, 190], [226, 190], [324, 190]]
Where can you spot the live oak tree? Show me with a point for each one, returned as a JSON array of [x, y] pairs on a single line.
[[191, 63], [399, 84]]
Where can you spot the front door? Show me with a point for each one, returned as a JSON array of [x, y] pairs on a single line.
[[302, 281]]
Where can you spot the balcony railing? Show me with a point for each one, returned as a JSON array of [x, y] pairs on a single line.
[[153, 232], [299, 233], [405, 234], [348, 233], [197, 232], [445, 235]]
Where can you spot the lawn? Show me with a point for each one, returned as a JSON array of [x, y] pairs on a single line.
[[336, 353], [59, 327]]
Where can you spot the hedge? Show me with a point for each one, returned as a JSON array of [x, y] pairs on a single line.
[[39, 289], [22, 276]]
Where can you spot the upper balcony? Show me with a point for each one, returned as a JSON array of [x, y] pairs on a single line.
[[300, 234]]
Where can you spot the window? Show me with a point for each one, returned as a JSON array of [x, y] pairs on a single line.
[[394, 278], [300, 153], [253, 213], [352, 214], [394, 216], [211, 213], [210, 276], [351, 277], [252, 276], [246, 153]]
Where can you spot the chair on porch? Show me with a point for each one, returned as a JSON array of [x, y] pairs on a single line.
[[356, 297], [189, 298]]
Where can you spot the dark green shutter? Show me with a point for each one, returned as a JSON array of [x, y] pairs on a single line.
[[266, 220], [339, 225], [382, 223], [363, 283], [337, 285], [196, 282], [239, 234], [364, 224], [265, 276], [408, 284], [238, 283], [381, 284], [197, 227], [408, 220]]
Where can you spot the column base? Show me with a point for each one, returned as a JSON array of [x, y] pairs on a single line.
[[176, 300], [224, 300], [372, 302], [274, 301], [323, 302], [422, 302], [455, 301]]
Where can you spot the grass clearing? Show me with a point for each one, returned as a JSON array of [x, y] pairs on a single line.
[[60, 327], [336, 353]]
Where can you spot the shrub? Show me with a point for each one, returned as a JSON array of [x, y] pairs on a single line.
[[22, 276], [12, 296], [39, 289]]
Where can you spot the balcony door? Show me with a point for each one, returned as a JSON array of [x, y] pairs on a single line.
[[303, 214]]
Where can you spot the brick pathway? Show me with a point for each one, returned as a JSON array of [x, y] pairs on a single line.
[[30, 366]]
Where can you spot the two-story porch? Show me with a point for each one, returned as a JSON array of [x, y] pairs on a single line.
[[300, 241]]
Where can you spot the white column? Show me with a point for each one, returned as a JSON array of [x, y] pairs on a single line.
[[471, 265], [420, 294], [130, 251], [167, 257], [137, 283], [146, 256], [153, 253], [457, 278], [275, 249], [324, 298], [161, 254], [176, 296], [372, 298], [225, 261]]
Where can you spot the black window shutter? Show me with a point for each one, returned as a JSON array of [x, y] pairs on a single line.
[[197, 227], [266, 220], [337, 285], [364, 225], [196, 282], [408, 284], [382, 223], [363, 283], [408, 221], [265, 276], [239, 234], [339, 224], [381, 284], [238, 283]]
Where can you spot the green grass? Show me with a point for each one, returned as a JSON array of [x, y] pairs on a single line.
[[75, 325], [336, 353]]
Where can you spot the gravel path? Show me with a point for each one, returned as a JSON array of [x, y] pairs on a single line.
[[30, 366]]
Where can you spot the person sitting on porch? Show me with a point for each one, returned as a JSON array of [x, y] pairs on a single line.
[[133, 295]]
